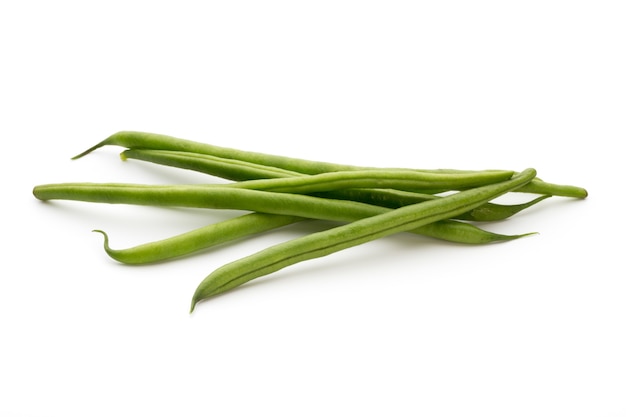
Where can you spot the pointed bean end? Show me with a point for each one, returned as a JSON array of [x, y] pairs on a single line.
[[107, 249], [88, 151], [111, 140], [508, 238], [199, 295], [106, 238]]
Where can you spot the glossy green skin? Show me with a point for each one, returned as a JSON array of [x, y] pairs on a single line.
[[226, 197], [231, 169], [244, 171], [144, 140], [358, 232], [254, 223], [394, 179], [198, 239], [214, 196], [236, 169]]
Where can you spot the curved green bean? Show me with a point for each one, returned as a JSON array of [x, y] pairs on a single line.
[[253, 223], [342, 237], [198, 239]]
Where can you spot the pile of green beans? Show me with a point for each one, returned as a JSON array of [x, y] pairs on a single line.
[[276, 191]]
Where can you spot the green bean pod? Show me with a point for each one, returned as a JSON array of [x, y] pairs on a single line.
[[231, 169], [204, 196], [342, 237], [538, 186], [488, 212], [253, 223], [144, 140], [244, 171], [223, 197], [393, 179], [198, 239]]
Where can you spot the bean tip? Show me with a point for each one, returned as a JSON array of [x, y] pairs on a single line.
[[578, 192], [507, 238], [39, 192], [107, 249], [107, 141], [93, 148], [101, 232]]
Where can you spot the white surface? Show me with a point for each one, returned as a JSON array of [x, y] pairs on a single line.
[[399, 327]]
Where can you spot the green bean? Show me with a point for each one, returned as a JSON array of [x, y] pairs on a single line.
[[242, 170], [399, 179], [231, 169], [342, 237], [253, 223], [199, 239], [393, 179], [201, 196], [538, 186], [222, 197], [488, 212], [208, 196], [143, 140], [494, 212], [462, 232]]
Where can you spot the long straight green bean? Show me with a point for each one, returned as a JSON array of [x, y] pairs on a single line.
[[223, 197], [342, 237], [244, 171], [144, 140], [230, 169], [394, 179]]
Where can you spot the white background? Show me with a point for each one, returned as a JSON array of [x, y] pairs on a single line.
[[404, 326]]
